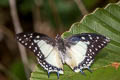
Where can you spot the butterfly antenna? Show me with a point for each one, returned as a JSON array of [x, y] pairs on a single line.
[[57, 37]]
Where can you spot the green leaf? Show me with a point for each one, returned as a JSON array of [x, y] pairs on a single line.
[[104, 73], [105, 21]]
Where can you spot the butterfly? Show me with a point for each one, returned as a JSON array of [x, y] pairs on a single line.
[[78, 51]]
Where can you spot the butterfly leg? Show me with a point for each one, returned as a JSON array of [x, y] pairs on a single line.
[[89, 69], [58, 75], [82, 72], [48, 74]]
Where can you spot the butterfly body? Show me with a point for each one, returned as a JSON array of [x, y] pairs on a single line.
[[61, 47], [77, 51]]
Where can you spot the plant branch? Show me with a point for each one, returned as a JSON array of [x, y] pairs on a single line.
[[81, 6], [38, 23], [18, 29], [9, 38], [56, 15]]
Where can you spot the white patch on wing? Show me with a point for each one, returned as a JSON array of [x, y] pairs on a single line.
[[54, 59], [44, 47], [51, 54], [87, 42], [76, 54], [77, 70]]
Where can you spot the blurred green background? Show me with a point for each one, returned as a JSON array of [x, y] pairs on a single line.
[[50, 17]]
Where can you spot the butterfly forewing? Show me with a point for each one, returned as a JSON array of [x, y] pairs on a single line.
[[36, 42], [82, 49], [44, 48]]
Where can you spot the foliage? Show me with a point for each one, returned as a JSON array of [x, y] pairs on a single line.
[[104, 73], [17, 69], [105, 21], [4, 3]]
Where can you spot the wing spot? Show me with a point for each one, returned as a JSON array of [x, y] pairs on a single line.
[[90, 50], [38, 37], [43, 62], [99, 46], [26, 38], [84, 64], [32, 43], [97, 37], [96, 49], [36, 48], [22, 41], [46, 65], [83, 38], [50, 67], [90, 37], [29, 40], [93, 53], [104, 42], [107, 39], [92, 45], [17, 37], [88, 59], [55, 68], [25, 43], [38, 54], [31, 36], [90, 56], [96, 40], [39, 62], [29, 46], [24, 35]]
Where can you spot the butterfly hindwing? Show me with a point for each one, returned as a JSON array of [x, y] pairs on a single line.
[[82, 49], [44, 48]]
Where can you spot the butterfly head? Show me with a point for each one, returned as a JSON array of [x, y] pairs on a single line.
[[59, 40]]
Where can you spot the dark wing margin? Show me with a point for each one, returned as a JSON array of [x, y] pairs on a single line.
[[28, 40], [95, 43], [44, 48]]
